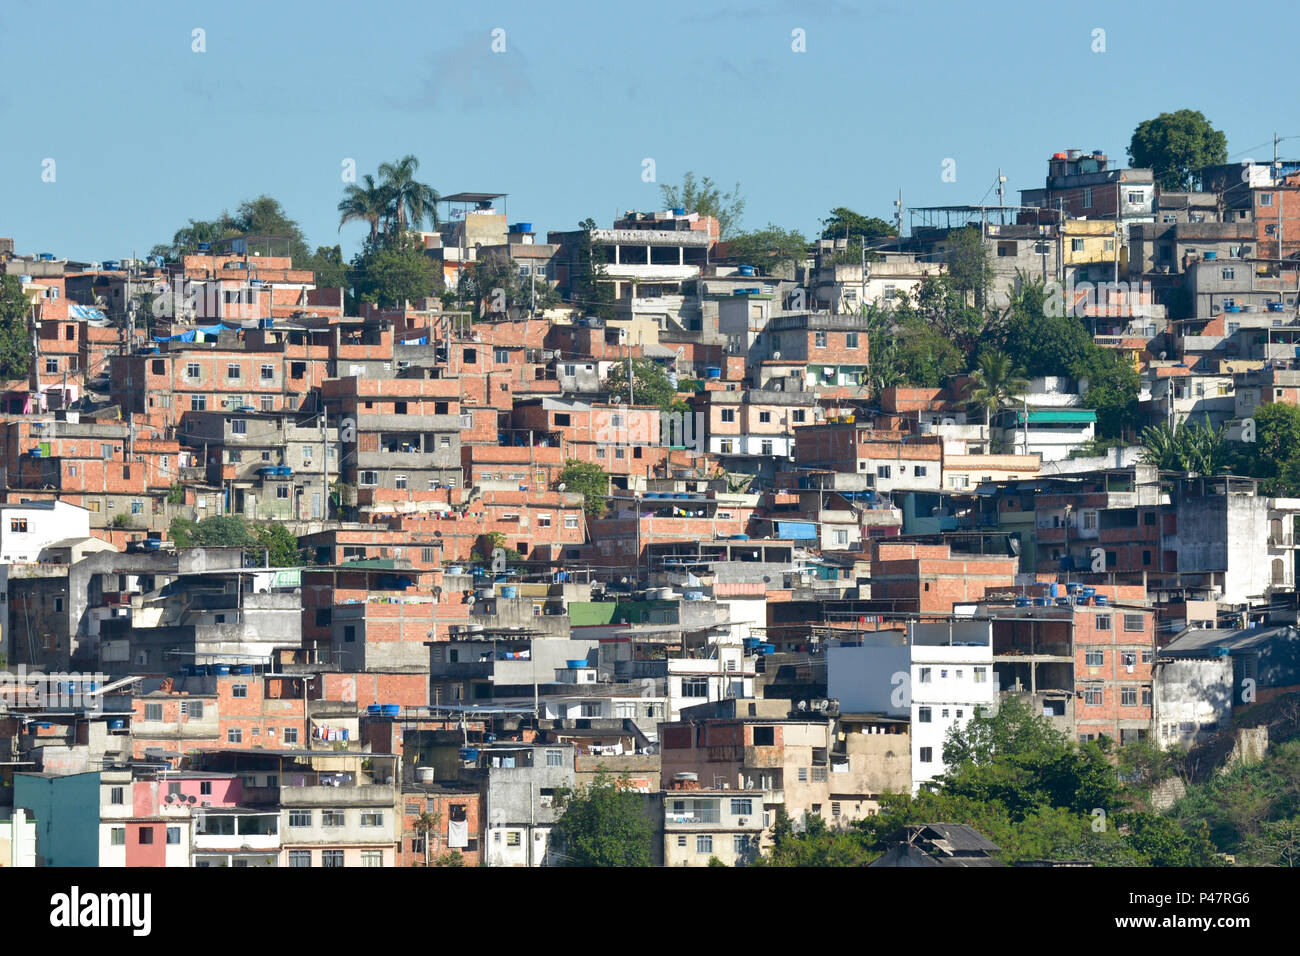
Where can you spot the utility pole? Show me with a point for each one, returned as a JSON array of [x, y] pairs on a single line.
[[325, 462], [1277, 180]]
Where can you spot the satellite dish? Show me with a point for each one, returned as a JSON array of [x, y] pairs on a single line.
[[803, 705], [560, 486], [437, 534], [776, 356]]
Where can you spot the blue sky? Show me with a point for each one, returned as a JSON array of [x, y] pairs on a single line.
[[145, 133]]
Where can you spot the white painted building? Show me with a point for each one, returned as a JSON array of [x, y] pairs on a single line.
[[26, 529], [933, 674]]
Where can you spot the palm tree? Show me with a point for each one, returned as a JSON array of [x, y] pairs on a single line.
[[995, 384], [406, 196], [369, 203], [1192, 447]]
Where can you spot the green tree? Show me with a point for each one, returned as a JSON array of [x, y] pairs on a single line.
[[844, 223], [408, 198], [817, 845], [1274, 455], [769, 249], [261, 216], [368, 203], [589, 287], [707, 199], [589, 480], [15, 342], [1113, 386], [219, 531], [499, 272], [603, 824], [995, 384], [1013, 730], [329, 267], [279, 544], [395, 272], [1192, 447], [968, 264], [926, 358], [1177, 146], [650, 386]]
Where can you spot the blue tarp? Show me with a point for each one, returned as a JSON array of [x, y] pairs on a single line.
[[87, 312], [797, 530], [188, 335]]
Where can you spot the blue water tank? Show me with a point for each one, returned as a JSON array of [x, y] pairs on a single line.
[[374, 710], [1040, 602], [712, 372], [522, 227], [1022, 602], [509, 591], [241, 669], [390, 710], [219, 670], [117, 724], [468, 753], [746, 270], [576, 663], [1100, 598], [679, 210], [1211, 255], [1054, 590]]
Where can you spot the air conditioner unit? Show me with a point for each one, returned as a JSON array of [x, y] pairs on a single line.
[[742, 822]]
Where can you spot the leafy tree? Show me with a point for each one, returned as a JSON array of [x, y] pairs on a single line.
[[219, 531], [1015, 729], [1162, 841], [499, 272], [995, 384], [1274, 456], [650, 386], [705, 198], [330, 269], [968, 264], [603, 824], [589, 287], [844, 223], [280, 544], [15, 342], [589, 480], [884, 370], [1276, 844], [1113, 386], [395, 272], [262, 216], [408, 198], [769, 249], [926, 358], [1177, 146], [817, 845]]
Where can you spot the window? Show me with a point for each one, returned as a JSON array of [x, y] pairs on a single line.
[[570, 522], [742, 808], [198, 403], [268, 403], [51, 365], [239, 690], [803, 774], [1094, 658], [1076, 245], [851, 340], [194, 710], [543, 521], [819, 774], [173, 835], [1087, 198], [331, 818], [924, 677], [375, 819], [331, 858], [927, 755], [372, 857], [923, 715], [116, 796], [153, 712], [1146, 696], [232, 371], [740, 844], [300, 818], [555, 758], [239, 427], [369, 478], [1227, 273], [920, 471], [725, 447], [681, 840], [1092, 696], [704, 843], [205, 788], [300, 857], [1102, 622], [765, 417], [192, 370], [884, 471], [841, 537], [765, 447], [268, 373], [399, 482], [695, 687], [819, 340], [291, 735], [349, 633], [117, 836], [146, 836], [282, 492], [1266, 199], [512, 838], [234, 736], [764, 736], [1128, 696], [728, 415], [1134, 622]]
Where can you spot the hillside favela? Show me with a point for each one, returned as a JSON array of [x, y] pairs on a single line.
[[940, 535]]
